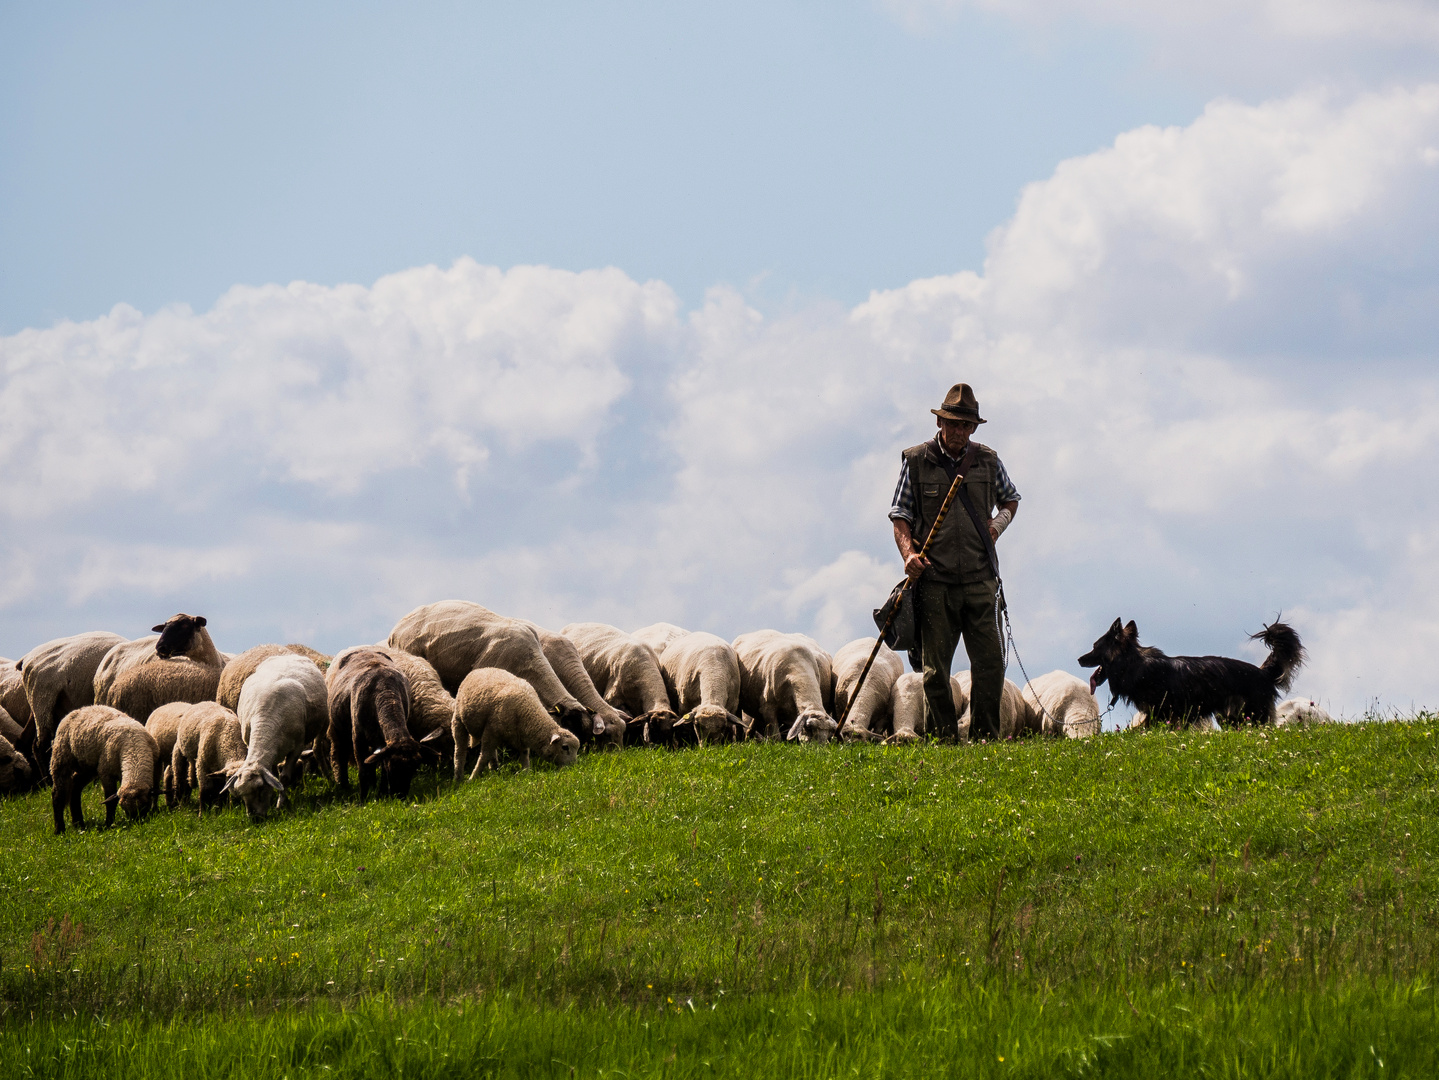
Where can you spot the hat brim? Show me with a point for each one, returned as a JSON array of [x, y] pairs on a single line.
[[947, 414]]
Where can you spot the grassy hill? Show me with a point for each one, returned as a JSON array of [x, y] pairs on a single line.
[[1254, 903]]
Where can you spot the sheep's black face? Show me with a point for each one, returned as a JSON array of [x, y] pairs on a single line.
[[177, 634], [137, 804]]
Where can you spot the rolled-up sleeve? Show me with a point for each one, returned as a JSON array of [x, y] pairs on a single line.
[[902, 507], [1004, 489]]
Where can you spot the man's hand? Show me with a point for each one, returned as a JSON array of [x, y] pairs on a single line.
[[915, 565], [1001, 520]]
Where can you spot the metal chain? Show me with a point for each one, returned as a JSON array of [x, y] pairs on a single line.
[[1007, 645]]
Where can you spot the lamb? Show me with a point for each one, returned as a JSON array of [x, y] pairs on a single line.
[[186, 667], [701, 673], [906, 704], [209, 748], [870, 714], [787, 684], [499, 711], [17, 771], [1016, 717], [1300, 712], [626, 673], [1062, 705], [659, 635], [283, 707], [163, 725], [369, 706], [59, 677], [565, 658], [241, 667], [12, 692], [100, 742], [457, 636]]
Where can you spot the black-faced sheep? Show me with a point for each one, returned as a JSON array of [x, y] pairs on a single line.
[[626, 673], [98, 742], [499, 711], [243, 665], [17, 745], [369, 705], [869, 717], [1062, 705], [185, 666], [457, 636], [59, 677], [283, 708], [701, 673], [787, 684], [209, 749]]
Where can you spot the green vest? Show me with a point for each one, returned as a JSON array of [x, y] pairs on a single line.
[[959, 553]]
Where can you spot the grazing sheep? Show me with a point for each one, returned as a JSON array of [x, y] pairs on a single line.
[[209, 749], [17, 770], [626, 673], [59, 677], [786, 684], [185, 666], [283, 708], [565, 658], [1299, 712], [457, 636], [500, 711], [163, 725], [100, 742], [906, 704], [869, 717], [701, 673], [432, 707], [242, 666], [659, 635], [1016, 717], [1063, 705], [369, 705], [12, 692]]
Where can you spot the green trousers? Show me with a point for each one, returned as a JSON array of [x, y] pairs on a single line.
[[947, 613]]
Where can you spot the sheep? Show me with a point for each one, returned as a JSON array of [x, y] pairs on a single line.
[[283, 707], [701, 673], [457, 636], [1299, 712], [209, 748], [906, 705], [870, 714], [1016, 717], [163, 725], [565, 658], [498, 711], [17, 770], [12, 692], [185, 666], [59, 677], [659, 635], [1062, 705], [432, 707], [100, 742], [242, 666], [369, 706], [786, 684], [627, 675]]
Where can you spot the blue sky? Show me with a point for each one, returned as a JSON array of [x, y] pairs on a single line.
[[311, 314]]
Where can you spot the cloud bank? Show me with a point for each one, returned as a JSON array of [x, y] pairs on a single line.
[[1207, 355]]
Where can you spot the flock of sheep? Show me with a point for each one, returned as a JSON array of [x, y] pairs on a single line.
[[170, 713]]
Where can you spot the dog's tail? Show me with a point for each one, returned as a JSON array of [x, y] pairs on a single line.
[[1286, 653]]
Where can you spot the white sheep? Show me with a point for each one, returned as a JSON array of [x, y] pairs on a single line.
[[626, 673], [98, 742], [501, 711], [59, 677], [241, 666], [870, 715], [786, 684], [283, 708], [457, 636], [1063, 705], [702, 675], [659, 635], [565, 658], [1300, 712], [164, 725], [1016, 716]]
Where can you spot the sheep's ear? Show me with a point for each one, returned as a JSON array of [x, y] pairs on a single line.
[[199, 620], [554, 738], [307, 753], [597, 724], [798, 732], [217, 774], [158, 629], [438, 733], [555, 709], [26, 743], [271, 779], [378, 756], [113, 799], [228, 784]]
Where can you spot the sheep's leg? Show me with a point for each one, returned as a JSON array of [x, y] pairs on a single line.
[[340, 738], [59, 796], [109, 788], [489, 752], [367, 780], [77, 787], [462, 747]]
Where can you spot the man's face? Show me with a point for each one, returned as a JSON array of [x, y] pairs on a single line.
[[954, 434]]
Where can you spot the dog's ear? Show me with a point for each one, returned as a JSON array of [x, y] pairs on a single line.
[[1131, 631], [1117, 627]]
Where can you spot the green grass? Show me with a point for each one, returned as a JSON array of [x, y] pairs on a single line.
[[1255, 903]]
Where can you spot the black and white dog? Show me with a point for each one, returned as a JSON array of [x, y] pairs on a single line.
[[1179, 690]]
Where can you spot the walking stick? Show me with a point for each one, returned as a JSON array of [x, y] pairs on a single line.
[[933, 532]]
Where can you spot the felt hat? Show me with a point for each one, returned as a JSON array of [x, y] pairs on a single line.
[[959, 404]]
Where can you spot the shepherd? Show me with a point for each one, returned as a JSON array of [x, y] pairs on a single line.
[[956, 581]]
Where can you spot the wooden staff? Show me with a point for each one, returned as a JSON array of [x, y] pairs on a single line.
[[933, 532]]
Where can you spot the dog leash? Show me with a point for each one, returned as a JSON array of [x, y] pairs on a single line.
[[1005, 628]]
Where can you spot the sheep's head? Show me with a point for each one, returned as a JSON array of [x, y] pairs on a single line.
[[580, 722], [400, 761], [136, 800], [15, 772], [812, 727], [664, 728], [615, 730], [712, 723], [253, 784], [562, 749], [177, 634]]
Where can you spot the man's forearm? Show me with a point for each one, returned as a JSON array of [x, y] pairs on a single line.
[[904, 538]]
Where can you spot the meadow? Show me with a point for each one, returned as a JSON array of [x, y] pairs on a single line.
[[1252, 903]]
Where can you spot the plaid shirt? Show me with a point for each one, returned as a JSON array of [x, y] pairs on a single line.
[[904, 507]]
